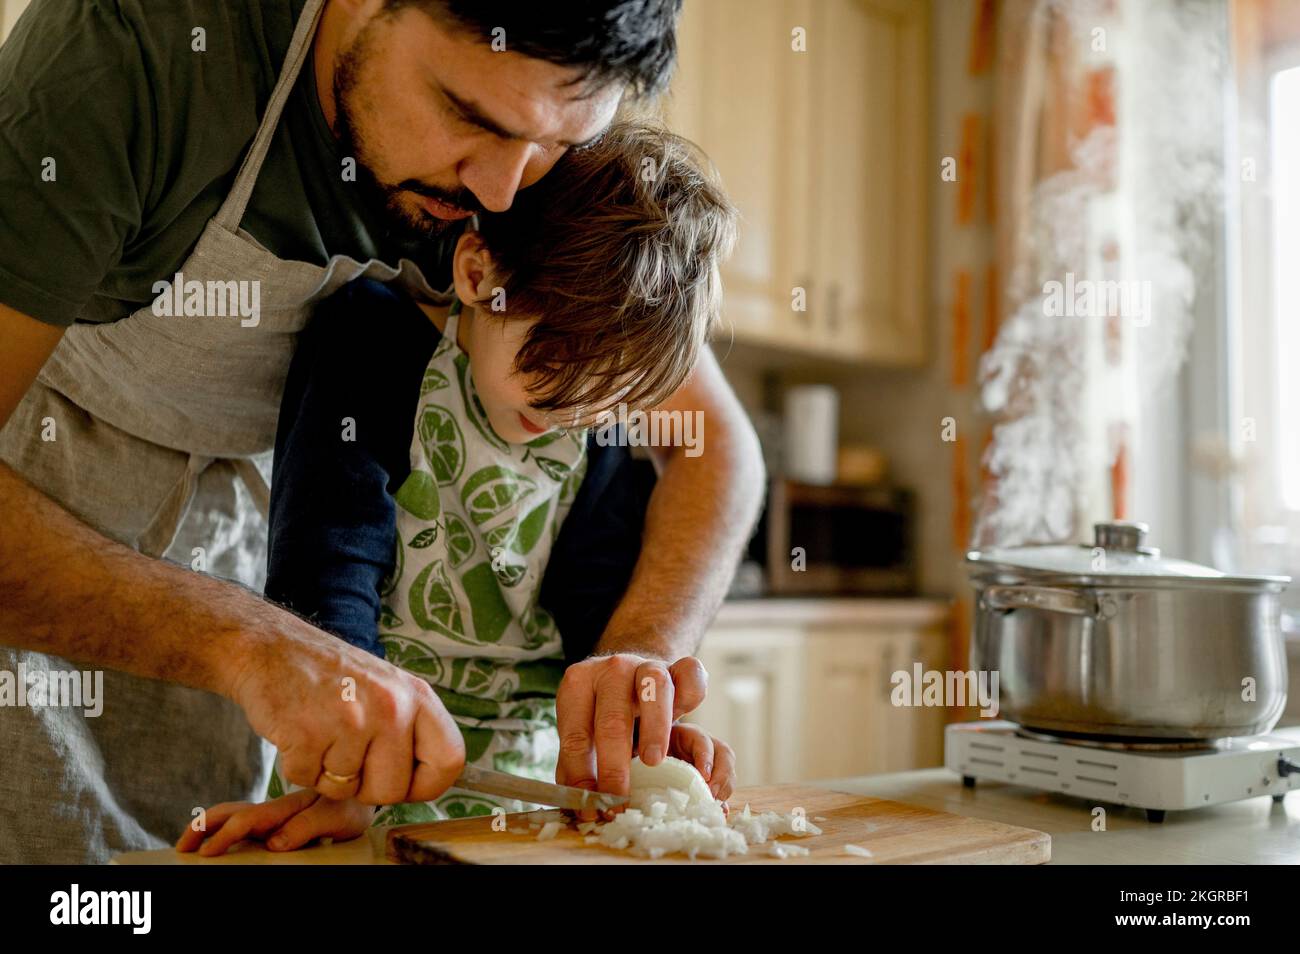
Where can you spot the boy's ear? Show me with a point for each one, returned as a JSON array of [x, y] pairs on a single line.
[[471, 268]]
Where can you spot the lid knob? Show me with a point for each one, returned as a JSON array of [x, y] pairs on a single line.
[[1120, 535]]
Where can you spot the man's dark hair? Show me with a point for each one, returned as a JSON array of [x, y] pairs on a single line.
[[624, 41]]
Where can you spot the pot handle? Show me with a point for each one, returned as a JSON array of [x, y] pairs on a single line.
[[1052, 598]]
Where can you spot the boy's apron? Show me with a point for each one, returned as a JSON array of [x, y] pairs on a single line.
[[154, 417], [476, 520]]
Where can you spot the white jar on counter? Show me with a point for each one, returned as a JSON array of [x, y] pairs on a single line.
[[811, 435]]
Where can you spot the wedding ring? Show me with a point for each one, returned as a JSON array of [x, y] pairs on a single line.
[[340, 779]]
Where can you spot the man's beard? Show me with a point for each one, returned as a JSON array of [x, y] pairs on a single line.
[[398, 221]]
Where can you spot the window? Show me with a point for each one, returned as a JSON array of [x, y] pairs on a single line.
[[1284, 163], [1264, 306]]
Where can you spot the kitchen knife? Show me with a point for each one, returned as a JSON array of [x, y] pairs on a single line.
[[531, 790]]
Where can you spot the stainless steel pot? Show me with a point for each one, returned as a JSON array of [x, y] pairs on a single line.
[[1113, 640]]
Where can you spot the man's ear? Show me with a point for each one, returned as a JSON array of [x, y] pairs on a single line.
[[471, 268]]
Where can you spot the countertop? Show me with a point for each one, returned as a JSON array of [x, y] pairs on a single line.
[[832, 611], [1255, 831]]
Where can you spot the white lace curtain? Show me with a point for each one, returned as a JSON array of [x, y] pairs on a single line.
[[1109, 161]]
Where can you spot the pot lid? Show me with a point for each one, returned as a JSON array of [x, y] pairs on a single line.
[[1117, 550]]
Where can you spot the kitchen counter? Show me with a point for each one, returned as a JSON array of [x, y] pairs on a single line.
[[1255, 831], [833, 611]]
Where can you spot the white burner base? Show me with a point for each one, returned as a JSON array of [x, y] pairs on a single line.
[[1158, 781]]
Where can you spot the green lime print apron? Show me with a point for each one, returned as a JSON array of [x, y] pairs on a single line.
[[476, 520]]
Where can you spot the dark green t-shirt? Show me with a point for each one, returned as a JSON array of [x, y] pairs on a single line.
[[146, 134]]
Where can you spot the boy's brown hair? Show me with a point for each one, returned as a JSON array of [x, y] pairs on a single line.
[[615, 252]]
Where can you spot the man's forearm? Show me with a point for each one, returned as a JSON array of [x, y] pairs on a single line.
[[700, 516], [67, 590]]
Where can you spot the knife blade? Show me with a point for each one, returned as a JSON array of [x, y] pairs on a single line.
[[505, 785]]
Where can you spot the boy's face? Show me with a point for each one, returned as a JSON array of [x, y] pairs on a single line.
[[492, 343], [442, 125]]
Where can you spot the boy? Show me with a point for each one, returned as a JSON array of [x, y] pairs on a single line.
[[598, 287]]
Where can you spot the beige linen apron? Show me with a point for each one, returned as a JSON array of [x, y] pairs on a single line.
[[154, 417]]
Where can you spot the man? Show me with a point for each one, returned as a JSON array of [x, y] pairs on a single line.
[[257, 155]]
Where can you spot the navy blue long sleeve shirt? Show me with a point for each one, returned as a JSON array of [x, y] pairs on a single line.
[[333, 521]]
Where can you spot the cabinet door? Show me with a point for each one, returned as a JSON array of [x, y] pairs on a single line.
[[931, 648], [742, 93], [852, 726], [870, 110], [755, 678], [848, 715], [911, 737]]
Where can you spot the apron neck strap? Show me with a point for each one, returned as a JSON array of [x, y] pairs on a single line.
[[232, 209]]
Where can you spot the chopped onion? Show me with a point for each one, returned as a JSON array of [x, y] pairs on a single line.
[[858, 851], [778, 849], [671, 811], [549, 830]]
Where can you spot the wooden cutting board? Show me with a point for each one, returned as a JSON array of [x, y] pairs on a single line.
[[894, 833]]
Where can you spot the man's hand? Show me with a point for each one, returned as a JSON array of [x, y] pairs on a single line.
[[347, 723], [713, 758], [599, 701], [326, 705]]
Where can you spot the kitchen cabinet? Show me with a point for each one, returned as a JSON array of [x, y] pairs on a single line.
[[801, 688], [851, 726], [753, 703], [824, 152]]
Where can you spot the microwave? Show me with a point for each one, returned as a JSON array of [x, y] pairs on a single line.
[[836, 540]]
